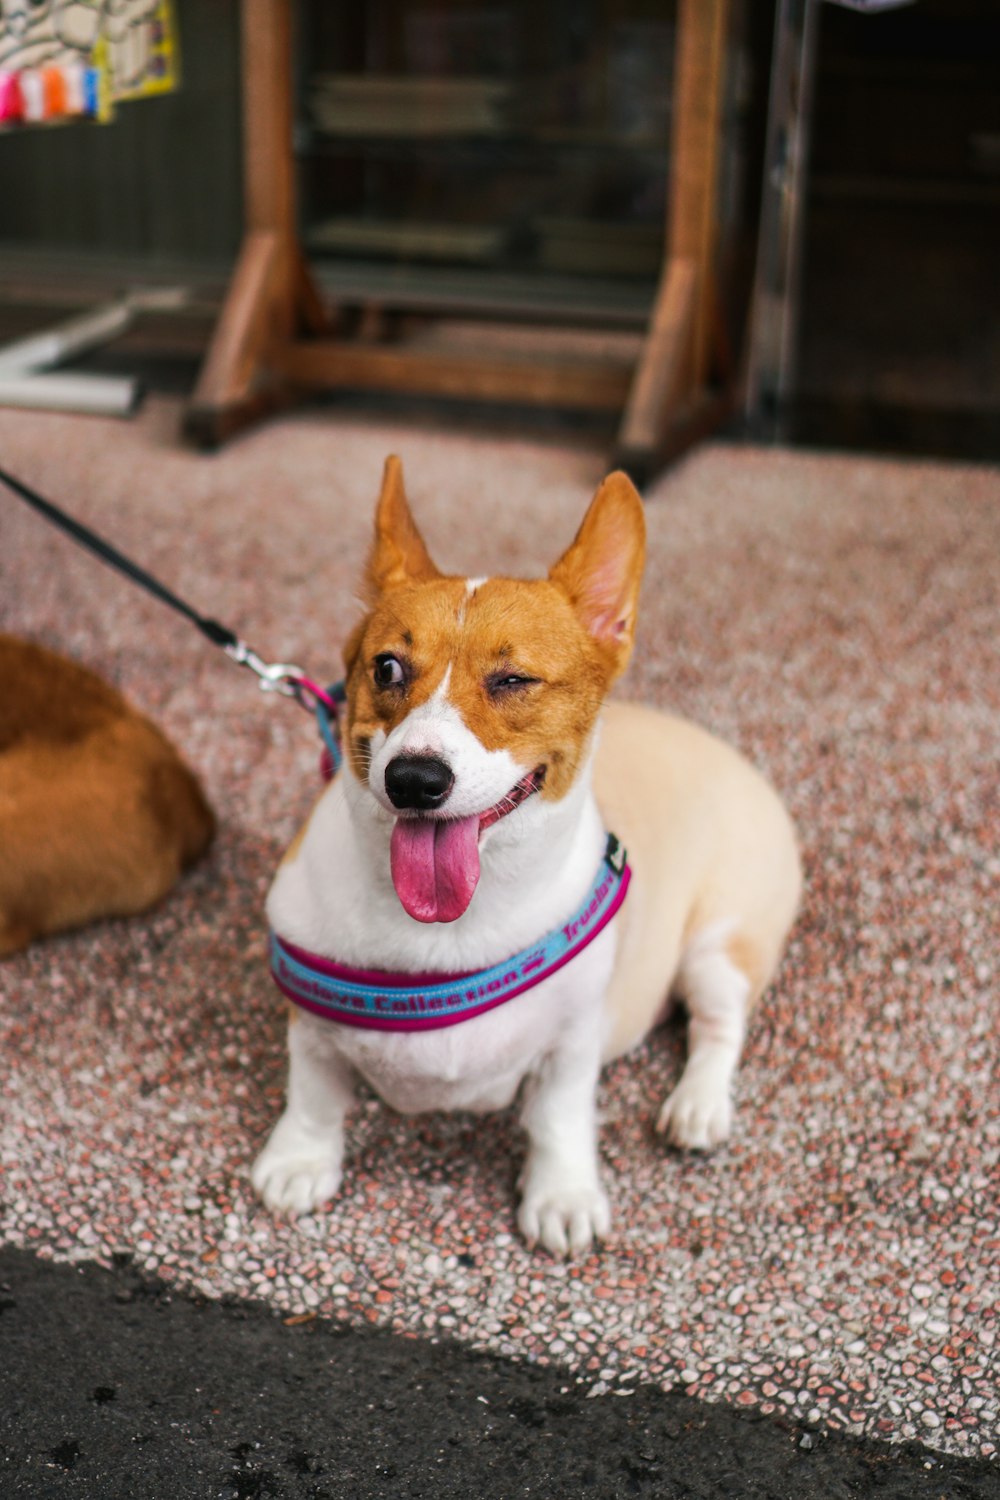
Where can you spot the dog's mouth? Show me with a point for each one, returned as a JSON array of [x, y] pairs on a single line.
[[435, 861]]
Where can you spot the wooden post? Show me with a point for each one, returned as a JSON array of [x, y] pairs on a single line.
[[674, 365], [692, 229], [271, 290]]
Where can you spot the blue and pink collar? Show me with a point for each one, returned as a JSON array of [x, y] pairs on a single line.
[[424, 1002]]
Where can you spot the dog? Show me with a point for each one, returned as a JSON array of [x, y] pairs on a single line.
[[458, 848], [98, 814]]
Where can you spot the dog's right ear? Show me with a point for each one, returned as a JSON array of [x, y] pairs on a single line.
[[399, 555]]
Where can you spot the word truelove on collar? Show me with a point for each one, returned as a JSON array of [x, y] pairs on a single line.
[[425, 1002]]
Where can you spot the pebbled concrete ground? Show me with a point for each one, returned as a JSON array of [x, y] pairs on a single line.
[[836, 1263]]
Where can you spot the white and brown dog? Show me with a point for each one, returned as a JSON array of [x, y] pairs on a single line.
[[457, 871]]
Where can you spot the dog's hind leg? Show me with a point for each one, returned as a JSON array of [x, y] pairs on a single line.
[[300, 1167], [698, 1114]]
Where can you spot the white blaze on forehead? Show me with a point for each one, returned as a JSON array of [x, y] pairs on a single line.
[[471, 585], [421, 731], [440, 693]]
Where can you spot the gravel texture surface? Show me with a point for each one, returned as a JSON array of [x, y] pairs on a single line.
[[835, 618]]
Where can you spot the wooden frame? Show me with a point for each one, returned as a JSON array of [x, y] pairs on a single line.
[[275, 337]]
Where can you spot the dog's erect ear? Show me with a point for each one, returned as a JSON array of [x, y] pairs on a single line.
[[602, 569], [399, 555]]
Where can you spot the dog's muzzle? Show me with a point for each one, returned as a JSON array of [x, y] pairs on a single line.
[[434, 860]]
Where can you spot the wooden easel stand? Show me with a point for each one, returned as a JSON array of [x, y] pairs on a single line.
[[275, 337]]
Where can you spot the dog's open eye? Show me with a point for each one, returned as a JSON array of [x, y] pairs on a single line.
[[499, 684], [388, 671]]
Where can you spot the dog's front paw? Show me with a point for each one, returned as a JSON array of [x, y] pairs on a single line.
[[697, 1115], [563, 1216], [296, 1173]]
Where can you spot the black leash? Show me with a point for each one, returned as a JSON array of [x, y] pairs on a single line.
[[278, 677], [218, 634]]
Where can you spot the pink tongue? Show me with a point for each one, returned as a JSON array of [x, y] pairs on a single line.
[[435, 866]]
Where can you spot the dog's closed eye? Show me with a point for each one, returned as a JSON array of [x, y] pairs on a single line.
[[499, 684]]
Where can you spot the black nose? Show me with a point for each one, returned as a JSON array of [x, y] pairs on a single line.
[[418, 781]]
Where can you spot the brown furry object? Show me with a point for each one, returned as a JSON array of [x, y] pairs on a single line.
[[98, 814]]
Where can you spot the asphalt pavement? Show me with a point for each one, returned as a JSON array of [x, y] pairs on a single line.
[[113, 1386]]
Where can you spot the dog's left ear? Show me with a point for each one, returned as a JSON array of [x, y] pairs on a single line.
[[399, 555], [602, 569]]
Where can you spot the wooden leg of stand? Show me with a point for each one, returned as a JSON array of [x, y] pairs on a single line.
[[314, 315], [669, 395], [692, 230], [209, 427], [227, 385], [271, 293], [663, 375]]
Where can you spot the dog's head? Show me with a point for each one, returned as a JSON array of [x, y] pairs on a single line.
[[466, 696]]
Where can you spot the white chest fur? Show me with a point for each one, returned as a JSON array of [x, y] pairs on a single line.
[[335, 898], [480, 1063]]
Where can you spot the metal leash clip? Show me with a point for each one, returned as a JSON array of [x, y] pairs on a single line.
[[272, 677]]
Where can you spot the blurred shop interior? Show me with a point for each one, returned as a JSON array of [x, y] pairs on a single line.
[[496, 181]]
